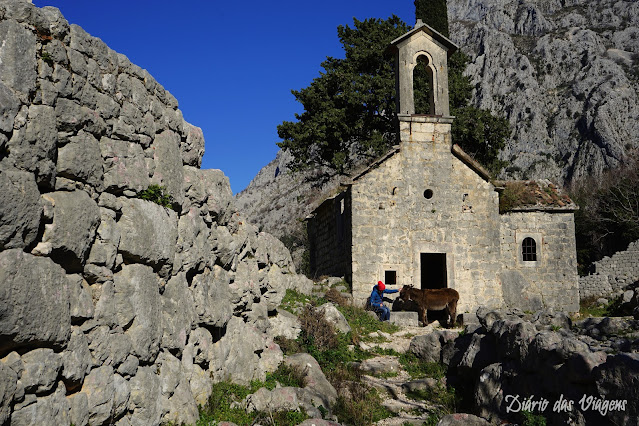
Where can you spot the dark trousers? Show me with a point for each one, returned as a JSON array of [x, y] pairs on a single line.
[[383, 312]]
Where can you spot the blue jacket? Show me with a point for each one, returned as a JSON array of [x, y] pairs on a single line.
[[376, 298]]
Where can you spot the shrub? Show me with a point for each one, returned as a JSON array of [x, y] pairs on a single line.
[[158, 195]]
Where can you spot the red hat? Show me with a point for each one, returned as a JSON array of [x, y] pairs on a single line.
[[380, 285]]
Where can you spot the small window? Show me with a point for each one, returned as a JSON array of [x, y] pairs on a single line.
[[428, 194], [529, 250], [390, 277]]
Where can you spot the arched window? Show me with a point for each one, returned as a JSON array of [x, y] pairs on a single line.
[[529, 250]]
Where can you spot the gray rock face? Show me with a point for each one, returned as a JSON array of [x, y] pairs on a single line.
[[428, 347], [148, 233], [81, 160], [34, 305], [17, 58], [20, 209], [562, 75], [68, 239], [41, 367]]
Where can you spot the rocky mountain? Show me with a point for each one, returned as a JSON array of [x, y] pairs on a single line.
[[114, 309], [564, 72]]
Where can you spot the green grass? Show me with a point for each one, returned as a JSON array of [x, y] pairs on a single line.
[[225, 393]]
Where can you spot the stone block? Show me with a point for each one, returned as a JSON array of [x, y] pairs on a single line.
[[404, 319]]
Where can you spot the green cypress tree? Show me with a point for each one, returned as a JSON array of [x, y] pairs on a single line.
[[433, 13]]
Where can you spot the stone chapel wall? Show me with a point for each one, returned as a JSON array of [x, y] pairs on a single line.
[[549, 282]]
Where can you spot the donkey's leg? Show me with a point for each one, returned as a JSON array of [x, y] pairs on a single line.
[[422, 314], [453, 312]]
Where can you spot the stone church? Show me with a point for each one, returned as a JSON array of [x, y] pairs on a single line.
[[427, 214]]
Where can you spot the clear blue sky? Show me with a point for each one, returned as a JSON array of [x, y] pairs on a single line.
[[230, 64]]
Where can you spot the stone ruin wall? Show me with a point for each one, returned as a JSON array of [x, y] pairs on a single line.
[[115, 310], [611, 274]]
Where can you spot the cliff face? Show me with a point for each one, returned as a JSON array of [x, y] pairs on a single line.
[[115, 310], [564, 72]]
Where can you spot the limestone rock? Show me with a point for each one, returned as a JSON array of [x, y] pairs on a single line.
[[20, 209], [34, 303], [210, 292], [193, 248], [178, 313], [140, 286], [8, 379], [168, 164], [33, 146], [334, 316], [68, 239], [18, 58], [462, 419], [81, 160], [285, 324], [76, 359], [124, 166], [79, 412], [52, 409], [428, 347], [80, 301], [41, 367], [210, 191], [193, 148], [98, 386], [145, 400], [314, 379], [148, 233]]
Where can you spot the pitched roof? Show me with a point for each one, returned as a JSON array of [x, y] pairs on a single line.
[[532, 195], [420, 26]]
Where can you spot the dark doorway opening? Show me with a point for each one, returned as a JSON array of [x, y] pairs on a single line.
[[433, 270]]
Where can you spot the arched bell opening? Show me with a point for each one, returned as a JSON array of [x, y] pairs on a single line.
[[423, 86]]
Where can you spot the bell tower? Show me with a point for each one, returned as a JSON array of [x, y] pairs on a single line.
[[422, 45]]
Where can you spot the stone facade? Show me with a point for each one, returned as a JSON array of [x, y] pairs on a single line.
[[428, 215], [611, 274]]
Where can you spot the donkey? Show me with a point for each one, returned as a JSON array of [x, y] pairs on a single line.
[[433, 299]]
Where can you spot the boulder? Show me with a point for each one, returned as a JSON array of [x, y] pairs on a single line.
[[617, 379], [334, 317], [52, 409], [18, 58], [314, 379], [193, 248], [76, 359], [178, 313], [8, 379], [98, 386], [211, 294], [380, 365], [140, 286], [193, 148], [514, 336], [462, 419], [79, 412], [210, 191], [145, 402], [20, 209], [80, 159], [428, 347], [80, 301], [285, 324], [34, 302], [124, 165], [148, 234], [68, 239]]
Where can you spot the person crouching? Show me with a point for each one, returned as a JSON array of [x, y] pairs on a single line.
[[377, 301]]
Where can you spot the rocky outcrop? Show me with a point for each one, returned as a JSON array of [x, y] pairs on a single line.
[[114, 309], [511, 357], [564, 73]]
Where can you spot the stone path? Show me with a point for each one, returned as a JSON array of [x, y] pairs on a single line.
[[385, 373]]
